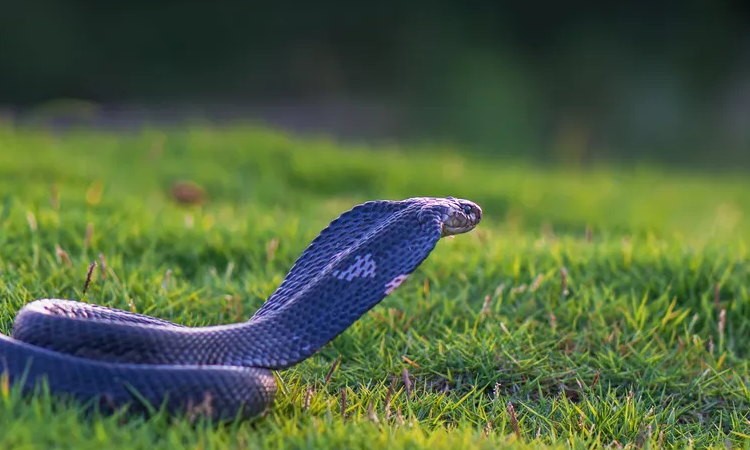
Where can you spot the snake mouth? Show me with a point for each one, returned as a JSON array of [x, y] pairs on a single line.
[[449, 230]]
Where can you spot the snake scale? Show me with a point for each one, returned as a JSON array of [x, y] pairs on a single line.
[[109, 358]]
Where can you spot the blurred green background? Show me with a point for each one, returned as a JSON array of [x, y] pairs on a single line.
[[560, 82]]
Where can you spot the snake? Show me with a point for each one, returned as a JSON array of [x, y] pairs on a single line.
[[110, 359]]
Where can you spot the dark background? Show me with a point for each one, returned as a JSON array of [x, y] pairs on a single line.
[[571, 81]]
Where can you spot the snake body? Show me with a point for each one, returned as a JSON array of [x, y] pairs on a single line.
[[110, 358]]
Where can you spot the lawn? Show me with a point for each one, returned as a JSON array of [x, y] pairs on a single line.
[[592, 306]]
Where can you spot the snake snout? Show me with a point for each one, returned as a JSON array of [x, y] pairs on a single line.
[[475, 216]]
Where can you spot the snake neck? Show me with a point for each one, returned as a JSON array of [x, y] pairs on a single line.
[[343, 274]]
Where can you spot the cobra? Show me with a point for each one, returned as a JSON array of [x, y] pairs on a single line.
[[111, 359]]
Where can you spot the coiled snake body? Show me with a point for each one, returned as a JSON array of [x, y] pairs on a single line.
[[111, 358]]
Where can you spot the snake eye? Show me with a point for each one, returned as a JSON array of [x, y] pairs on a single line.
[[467, 209]]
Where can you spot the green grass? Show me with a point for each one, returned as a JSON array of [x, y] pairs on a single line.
[[641, 343]]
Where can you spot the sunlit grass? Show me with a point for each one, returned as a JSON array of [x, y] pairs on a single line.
[[591, 307]]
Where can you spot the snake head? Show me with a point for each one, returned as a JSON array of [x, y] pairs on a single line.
[[456, 215]]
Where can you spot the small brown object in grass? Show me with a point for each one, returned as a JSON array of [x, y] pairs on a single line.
[[88, 276], [343, 403], [330, 372], [513, 419], [188, 193]]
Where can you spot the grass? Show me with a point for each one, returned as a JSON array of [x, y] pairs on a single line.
[[592, 307]]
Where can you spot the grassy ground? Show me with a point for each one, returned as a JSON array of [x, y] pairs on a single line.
[[591, 307]]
